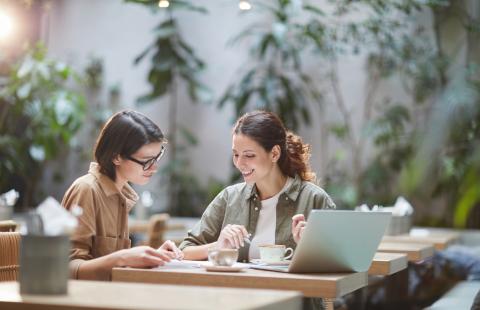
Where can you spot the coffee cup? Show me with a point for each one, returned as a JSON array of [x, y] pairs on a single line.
[[274, 253], [222, 257]]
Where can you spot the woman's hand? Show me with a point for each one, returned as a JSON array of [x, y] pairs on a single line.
[[232, 237], [169, 246], [298, 226], [143, 257]]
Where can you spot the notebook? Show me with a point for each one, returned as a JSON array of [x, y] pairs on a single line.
[[336, 241]]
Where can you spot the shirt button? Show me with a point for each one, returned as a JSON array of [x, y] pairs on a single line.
[[286, 198], [256, 209]]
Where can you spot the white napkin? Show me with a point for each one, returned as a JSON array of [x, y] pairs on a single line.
[[56, 219], [401, 208], [10, 197]]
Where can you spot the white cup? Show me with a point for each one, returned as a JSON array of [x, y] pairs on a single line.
[[274, 253]]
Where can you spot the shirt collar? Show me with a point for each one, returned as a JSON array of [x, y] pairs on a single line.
[[127, 194], [292, 191]]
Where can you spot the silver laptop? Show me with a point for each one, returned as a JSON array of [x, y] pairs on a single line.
[[336, 241]]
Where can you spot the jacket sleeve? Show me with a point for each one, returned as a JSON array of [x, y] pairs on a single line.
[[323, 201], [81, 240], [209, 227]]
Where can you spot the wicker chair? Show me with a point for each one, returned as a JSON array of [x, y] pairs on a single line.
[[9, 255], [8, 225]]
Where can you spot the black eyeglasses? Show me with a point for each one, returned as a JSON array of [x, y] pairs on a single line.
[[148, 163]]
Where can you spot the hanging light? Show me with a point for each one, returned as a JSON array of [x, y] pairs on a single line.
[[6, 25], [244, 5], [163, 3]]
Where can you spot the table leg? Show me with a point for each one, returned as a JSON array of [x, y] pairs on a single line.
[[328, 303], [397, 290]]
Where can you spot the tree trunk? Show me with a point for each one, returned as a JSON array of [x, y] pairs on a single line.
[[172, 142]]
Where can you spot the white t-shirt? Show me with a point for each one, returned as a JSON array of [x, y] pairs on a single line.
[[267, 221]]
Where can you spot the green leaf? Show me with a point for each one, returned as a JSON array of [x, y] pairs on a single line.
[[314, 9], [340, 131], [188, 136], [142, 55], [186, 5], [469, 199]]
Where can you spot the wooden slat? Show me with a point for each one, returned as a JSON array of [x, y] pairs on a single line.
[[414, 251], [385, 264], [439, 241]]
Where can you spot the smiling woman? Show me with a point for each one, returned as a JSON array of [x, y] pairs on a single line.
[[270, 207], [127, 150]]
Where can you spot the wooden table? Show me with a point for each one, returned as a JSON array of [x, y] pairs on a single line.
[[439, 240], [327, 286], [108, 295], [385, 264], [414, 251]]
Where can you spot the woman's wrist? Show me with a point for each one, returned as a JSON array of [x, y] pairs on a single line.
[[118, 259], [198, 252]]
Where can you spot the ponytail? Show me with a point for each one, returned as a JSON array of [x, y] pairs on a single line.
[[295, 158]]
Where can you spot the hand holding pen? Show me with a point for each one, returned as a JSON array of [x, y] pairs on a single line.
[[233, 236]]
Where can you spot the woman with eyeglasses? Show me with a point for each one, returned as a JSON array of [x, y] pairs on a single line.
[[127, 151]]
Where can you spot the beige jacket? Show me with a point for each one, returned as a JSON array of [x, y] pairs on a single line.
[[103, 225]]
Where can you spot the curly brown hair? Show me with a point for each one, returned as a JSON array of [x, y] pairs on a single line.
[[268, 130]]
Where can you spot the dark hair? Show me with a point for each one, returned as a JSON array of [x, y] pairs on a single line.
[[267, 129], [123, 134]]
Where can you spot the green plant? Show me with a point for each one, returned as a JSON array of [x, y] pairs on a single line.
[[384, 34], [449, 153], [39, 115], [175, 66], [425, 148], [274, 77], [423, 145]]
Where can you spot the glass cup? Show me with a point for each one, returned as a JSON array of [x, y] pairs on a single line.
[[222, 257]]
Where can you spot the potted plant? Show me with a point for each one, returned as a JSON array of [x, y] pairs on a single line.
[[39, 115]]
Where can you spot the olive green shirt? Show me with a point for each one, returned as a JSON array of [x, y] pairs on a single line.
[[240, 204]]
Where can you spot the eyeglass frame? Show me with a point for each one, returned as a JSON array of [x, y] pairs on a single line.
[[147, 164]]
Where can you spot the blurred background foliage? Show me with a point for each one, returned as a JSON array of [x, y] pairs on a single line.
[[424, 146], [274, 77], [175, 68], [39, 115]]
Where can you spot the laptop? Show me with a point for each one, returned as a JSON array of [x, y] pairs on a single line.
[[336, 241]]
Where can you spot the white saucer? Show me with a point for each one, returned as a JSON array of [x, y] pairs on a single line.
[[279, 263], [224, 268]]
